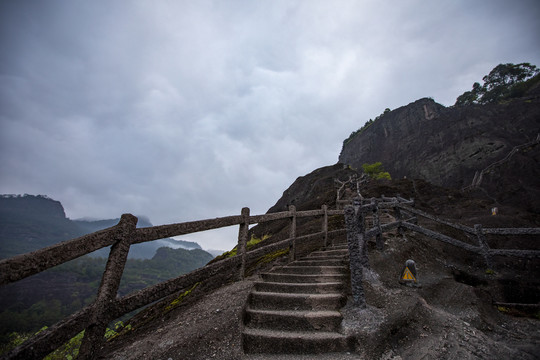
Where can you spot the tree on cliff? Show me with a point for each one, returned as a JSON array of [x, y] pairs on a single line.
[[504, 81], [376, 171]]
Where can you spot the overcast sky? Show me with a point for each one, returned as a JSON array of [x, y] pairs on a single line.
[[184, 110]]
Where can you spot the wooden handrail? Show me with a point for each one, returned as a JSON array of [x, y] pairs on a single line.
[[358, 235], [95, 316], [437, 219], [21, 266]]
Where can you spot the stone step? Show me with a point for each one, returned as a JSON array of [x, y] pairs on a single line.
[[329, 253], [288, 342], [319, 262], [302, 278], [293, 320], [344, 259], [312, 270], [298, 301], [303, 288], [294, 308]]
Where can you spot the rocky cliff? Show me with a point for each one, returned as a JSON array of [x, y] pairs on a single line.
[[448, 145]]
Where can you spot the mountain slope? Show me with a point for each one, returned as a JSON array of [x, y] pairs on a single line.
[[446, 146], [29, 223], [451, 316]]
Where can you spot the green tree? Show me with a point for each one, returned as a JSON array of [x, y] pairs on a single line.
[[504, 81], [376, 171], [470, 97]]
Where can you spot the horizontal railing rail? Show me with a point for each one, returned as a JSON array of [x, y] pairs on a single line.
[[107, 306], [358, 235]]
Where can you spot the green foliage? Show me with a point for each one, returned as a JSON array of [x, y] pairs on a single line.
[[376, 171], [70, 350], [15, 339], [118, 329], [31, 222], [255, 240], [176, 302], [270, 257], [74, 285], [505, 81], [252, 242]]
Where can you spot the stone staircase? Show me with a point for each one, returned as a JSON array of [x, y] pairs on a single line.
[[294, 309]]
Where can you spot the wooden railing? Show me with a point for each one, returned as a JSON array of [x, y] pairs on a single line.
[[107, 306], [406, 219]]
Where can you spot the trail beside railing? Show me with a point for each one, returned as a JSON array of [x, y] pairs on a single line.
[[93, 319], [406, 219]]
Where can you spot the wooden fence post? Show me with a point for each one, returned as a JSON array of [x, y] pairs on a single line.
[[355, 243], [377, 224], [292, 233], [397, 212], [484, 247], [324, 228], [110, 282], [242, 241]]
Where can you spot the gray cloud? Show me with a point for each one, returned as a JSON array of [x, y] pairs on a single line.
[[188, 110]]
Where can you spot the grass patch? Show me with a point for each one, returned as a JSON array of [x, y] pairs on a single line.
[[251, 243], [272, 256], [67, 351], [176, 302]]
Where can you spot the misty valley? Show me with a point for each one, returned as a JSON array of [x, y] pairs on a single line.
[[28, 223]]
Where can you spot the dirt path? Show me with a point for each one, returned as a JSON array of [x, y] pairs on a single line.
[[442, 319]]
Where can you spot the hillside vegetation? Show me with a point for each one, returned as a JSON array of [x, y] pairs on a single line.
[[29, 223]]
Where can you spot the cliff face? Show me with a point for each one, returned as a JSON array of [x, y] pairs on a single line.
[[445, 146], [28, 223], [30, 206]]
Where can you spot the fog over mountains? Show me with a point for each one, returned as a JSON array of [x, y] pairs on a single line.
[[31, 222]]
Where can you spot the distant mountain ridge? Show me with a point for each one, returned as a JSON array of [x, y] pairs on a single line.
[[29, 222], [32, 222]]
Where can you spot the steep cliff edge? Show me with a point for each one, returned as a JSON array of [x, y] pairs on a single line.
[[447, 145]]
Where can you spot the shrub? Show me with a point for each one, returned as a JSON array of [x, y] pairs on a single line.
[[376, 171]]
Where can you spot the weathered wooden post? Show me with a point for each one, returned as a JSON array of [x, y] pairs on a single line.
[[484, 247], [397, 213], [355, 242], [110, 282], [377, 224], [324, 225], [292, 233], [241, 248]]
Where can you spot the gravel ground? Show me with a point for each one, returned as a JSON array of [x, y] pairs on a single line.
[[441, 319]]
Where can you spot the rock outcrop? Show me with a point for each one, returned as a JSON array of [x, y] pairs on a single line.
[[447, 145]]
